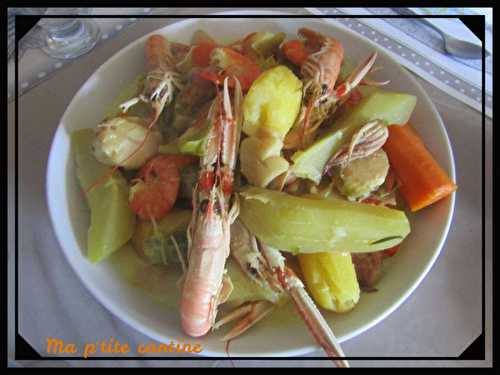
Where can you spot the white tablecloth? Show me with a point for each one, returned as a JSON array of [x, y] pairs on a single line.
[[441, 318]]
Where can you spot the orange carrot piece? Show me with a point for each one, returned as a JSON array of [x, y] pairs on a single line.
[[201, 54], [295, 51], [390, 180], [423, 181], [391, 251]]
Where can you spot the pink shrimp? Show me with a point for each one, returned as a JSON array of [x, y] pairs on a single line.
[[155, 188]]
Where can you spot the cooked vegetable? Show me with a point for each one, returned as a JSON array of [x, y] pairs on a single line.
[[295, 52], [200, 36], [261, 47], [304, 225], [392, 251], [245, 289], [272, 103], [362, 176], [192, 142], [155, 244], [201, 54], [129, 91], [111, 222], [325, 190], [423, 181], [331, 279], [265, 147], [270, 108], [260, 160], [263, 43], [126, 142], [389, 107], [229, 63]]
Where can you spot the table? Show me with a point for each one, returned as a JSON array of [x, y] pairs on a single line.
[[441, 318]]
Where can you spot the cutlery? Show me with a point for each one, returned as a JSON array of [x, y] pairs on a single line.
[[456, 46]]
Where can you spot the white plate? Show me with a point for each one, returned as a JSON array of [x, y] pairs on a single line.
[[70, 217]]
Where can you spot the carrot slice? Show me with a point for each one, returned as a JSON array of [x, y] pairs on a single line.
[[295, 51], [391, 251], [423, 181], [201, 54]]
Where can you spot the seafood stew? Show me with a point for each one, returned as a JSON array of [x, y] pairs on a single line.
[[275, 156]]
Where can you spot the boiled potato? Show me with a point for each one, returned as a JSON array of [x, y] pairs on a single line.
[[272, 103], [308, 225], [261, 161], [331, 279], [269, 110]]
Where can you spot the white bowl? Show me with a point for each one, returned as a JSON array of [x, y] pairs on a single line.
[[70, 216]]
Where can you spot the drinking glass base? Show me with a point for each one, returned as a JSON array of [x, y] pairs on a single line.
[[81, 44]]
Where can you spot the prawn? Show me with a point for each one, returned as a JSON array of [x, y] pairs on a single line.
[[162, 80], [267, 267], [213, 212], [320, 58], [155, 188]]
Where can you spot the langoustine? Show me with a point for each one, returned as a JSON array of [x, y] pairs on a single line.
[[267, 267], [320, 58], [214, 209]]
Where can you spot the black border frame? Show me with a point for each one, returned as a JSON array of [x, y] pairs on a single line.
[[203, 358]]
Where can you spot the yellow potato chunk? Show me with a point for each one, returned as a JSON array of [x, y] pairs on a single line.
[[261, 161], [331, 279], [272, 103]]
